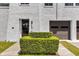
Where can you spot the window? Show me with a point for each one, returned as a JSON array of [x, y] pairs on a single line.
[[77, 26], [4, 4], [68, 4], [48, 4], [77, 4], [54, 26], [64, 26], [24, 4]]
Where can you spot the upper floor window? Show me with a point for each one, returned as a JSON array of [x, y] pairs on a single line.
[[24, 4], [4, 4], [48, 4], [76, 4], [68, 4]]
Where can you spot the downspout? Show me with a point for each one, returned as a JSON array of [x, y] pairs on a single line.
[[39, 18], [56, 11]]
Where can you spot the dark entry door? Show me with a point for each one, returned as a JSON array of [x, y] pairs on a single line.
[[78, 30], [25, 27], [60, 29]]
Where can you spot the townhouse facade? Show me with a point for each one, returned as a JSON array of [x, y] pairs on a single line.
[[18, 19]]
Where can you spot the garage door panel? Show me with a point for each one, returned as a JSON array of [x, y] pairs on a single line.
[[60, 28], [62, 34]]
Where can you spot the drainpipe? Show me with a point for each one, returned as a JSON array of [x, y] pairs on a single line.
[[39, 9], [31, 26], [73, 30], [56, 11]]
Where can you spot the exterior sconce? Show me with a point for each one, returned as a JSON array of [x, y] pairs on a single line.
[[31, 25]]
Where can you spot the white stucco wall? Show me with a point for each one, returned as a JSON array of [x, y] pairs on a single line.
[[3, 22], [46, 14], [65, 12], [17, 12], [40, 15]]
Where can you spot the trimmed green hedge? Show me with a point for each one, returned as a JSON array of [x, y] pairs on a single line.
[[40, 34], [39, 45]]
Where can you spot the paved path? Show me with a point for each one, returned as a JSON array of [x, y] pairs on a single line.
[[62, 51], [12, 51]]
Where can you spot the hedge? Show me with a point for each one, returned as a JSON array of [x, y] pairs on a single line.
[[39, 45], [40, 34]]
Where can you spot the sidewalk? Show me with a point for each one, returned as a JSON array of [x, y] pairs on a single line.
[[12, 51]]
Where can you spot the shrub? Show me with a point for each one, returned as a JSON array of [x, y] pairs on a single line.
[[39, 45], [40, 34]]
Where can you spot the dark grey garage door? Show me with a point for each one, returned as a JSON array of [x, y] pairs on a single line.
[[60, 28]]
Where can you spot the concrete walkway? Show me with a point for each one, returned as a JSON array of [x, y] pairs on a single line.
[[62, 51], [12, 51]]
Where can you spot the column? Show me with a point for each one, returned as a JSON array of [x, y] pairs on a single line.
[[73, 30]]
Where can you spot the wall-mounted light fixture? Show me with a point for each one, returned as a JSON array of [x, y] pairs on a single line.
[[31, 25]]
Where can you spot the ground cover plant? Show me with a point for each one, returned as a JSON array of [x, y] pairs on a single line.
[[71, 47], [4, 45]]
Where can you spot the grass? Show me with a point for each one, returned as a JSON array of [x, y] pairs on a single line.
[[71, 47], [4, 45]]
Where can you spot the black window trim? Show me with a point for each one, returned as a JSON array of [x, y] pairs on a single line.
[[64, 26], [76, 4], [24, 4], [70, 4], [4, 4], [55, 27], [48, 6], [77, 26]]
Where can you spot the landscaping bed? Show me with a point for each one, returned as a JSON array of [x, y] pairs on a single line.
[[38, 44], [70, 47], [4, 45]]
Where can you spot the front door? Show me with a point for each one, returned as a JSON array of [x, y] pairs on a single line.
[[78, 30], [25, 27]]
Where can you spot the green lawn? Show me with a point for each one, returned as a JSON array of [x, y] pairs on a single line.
[[71, 47], [4, 45]]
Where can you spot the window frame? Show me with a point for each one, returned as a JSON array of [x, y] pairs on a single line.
[[49, 5], [4, 4], [69, 4], [76, 4], [64, 27], [24, 4], [55, 27]]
